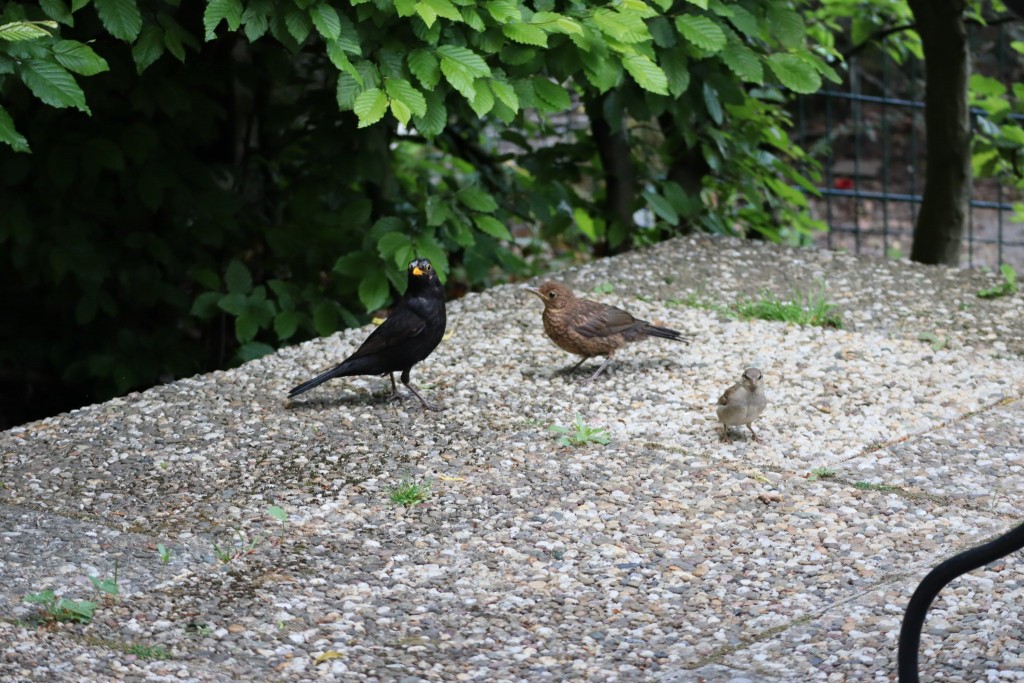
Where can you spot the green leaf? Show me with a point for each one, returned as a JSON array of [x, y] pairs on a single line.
[[52, 84], [277, 513], [491, 226], [506, 94], [459, 77], [286, 324], [58, 11], [79, 58], [16, 31], [9, 134], [341, 61], [469, 60], [374, 290], [551, 97], [527, 34], [238, 278], [391, 242], [743, 62], [625, 27], [206, 305], [745, 22], [677, 71], [440, 8], [423, 65], [370, 106], [229, 11], [436, 118], [701, 31], [483, 98], [662, 207], [478, 200], [712, 103], [121, 18], [148, 47], [325, 318], [402, 90], [787, 25], [646, 73], [326, 20], [255, 20], [585, 223], [253, 350], [794, 73], [602, 72], [298, 24], [349, 37], [247, 326], [233, 303], [504, 11]]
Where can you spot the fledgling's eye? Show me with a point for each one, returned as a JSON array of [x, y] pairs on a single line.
[[551, 295]]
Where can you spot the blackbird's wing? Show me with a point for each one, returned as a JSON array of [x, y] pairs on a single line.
[[602, 320], [402, 325]]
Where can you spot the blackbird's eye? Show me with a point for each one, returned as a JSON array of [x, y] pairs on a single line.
[[551, 295]]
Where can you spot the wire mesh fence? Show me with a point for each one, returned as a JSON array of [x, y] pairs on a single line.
[[869, 134]]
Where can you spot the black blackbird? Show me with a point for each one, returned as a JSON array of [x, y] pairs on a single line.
[[412, 331], [588, 328]]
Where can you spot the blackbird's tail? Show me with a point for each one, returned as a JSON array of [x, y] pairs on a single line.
[[665, 333], [348, 368]]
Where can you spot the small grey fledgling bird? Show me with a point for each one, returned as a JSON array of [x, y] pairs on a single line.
[[742, 403]]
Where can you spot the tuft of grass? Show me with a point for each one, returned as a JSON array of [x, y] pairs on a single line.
[[936, 343], [1005, 288], [604, 288], [801, 308], [107, 586], [868, 486], [580, 434], [62, 609], [822, 473], [409, 493], [165, 553], [147, 651]]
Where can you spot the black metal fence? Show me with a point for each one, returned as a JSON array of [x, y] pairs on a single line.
[[869, 136]]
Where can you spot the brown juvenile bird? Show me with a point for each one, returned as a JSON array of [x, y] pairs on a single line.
[[742, 403], [588, 328]]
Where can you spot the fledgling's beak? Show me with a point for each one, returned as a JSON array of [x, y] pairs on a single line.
[[534, 290]]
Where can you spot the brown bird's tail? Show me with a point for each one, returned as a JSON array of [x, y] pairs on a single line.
[[665, 333]]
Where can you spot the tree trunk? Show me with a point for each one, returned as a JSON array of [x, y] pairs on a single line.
[[686, 165], [947, 190], [619, 177]]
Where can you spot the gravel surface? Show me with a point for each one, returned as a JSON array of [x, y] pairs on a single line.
[[663, 555]]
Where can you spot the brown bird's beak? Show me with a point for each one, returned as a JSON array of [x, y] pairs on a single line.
[[534, 290]]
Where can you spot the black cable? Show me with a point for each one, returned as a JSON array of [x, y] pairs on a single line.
[[935, 581]]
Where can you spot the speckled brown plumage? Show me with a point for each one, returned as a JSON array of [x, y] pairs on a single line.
[[588, 328]]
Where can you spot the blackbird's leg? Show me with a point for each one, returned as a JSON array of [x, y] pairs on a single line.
[[599, 370], [394, 389], [753, 433], [573, 368], [405, 381]]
